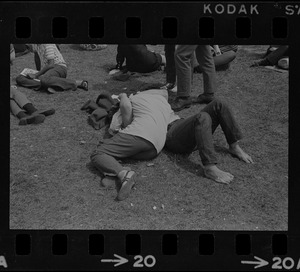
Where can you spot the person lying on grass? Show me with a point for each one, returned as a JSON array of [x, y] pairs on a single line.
[[184, 135], [144, 120], [53, 72], [24, 109]]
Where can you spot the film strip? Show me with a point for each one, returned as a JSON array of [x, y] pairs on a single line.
[[148, 233]]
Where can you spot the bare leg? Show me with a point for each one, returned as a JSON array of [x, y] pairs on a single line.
[[237, 151], [211, 171]]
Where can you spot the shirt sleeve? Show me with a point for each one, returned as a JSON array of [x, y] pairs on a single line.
[[50, 51]]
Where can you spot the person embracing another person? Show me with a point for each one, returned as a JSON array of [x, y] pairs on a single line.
[[148, 124]]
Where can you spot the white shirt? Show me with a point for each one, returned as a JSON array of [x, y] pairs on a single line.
[[151, 115]]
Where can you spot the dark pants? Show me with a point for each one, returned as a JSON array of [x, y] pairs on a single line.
[[280, 52], [54, 78], [196, 131], [121, 146], [170, 63]]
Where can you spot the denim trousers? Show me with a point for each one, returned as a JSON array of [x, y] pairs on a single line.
[[184, 68], [196, 131], [54, 77], [121, 146]]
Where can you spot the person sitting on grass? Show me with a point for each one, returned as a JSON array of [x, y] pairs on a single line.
[[138, 59], [223, 56], [184, 135], [144, 118], [53, 72], [276, 55], [22, 108]]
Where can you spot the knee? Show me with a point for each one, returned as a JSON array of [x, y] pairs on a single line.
[[204, 119], [93, 156], [20, 79]]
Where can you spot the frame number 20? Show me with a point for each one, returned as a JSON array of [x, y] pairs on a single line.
[[148, 261], [286, 263]]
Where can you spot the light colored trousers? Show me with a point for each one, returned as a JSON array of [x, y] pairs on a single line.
[[184, 68], [17, 101]]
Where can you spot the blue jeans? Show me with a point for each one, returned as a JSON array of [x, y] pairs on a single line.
[[196, 131]]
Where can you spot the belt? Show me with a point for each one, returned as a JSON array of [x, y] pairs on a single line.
[[171, 124]]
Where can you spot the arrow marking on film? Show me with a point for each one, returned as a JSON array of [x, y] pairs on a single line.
[[259, 263], [119, 261]]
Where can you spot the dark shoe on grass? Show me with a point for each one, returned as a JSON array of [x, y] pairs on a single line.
[[168, 86], [181, 103], [45, 112], [32, 119], [84, 85], [126, 186], [205, 98]]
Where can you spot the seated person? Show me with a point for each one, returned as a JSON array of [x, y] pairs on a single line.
[[223, 55], [93, 47], [276, 55], [53, 72], [184, 135], [138, 58], [22, 108], [145, 117]]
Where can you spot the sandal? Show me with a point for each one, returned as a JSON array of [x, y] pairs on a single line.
[[84, 85]]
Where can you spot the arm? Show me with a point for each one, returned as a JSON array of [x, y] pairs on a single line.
[[126, 110], [43, 70]]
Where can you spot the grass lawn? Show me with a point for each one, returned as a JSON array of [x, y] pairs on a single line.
[[54, 186]]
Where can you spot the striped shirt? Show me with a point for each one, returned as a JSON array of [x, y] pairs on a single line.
[[226, 48], [49, 52]]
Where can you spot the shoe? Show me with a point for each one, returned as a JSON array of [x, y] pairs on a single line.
[[181, 103], [45, 112], [84, 85], [127, 184], [32, 119], [205, 98], [168, 86]]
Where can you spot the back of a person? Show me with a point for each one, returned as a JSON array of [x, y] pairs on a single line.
[[140, 59], [151, 115], [49, 52]]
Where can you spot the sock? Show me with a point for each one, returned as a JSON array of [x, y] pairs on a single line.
[[29, 108], [21, 114]]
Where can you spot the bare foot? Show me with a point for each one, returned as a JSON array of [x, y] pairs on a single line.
[[236, 150], [213, 172]]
